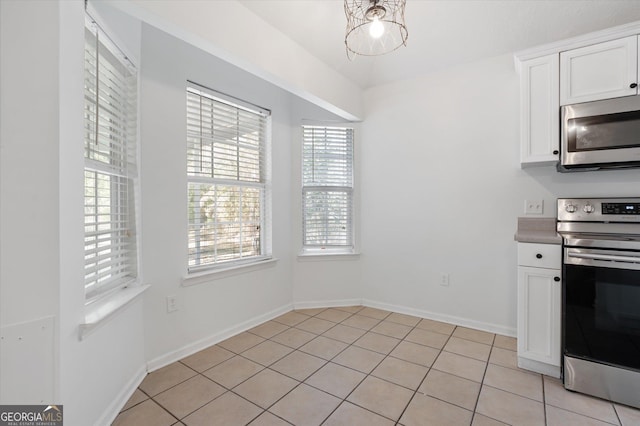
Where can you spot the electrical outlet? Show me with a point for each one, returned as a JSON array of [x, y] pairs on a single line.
[[533, 206], [444, 279], [172, 303]]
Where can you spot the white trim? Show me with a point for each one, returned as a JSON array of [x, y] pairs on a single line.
[[309, 256], [464, 322], [621, 31], [329, 123], [328, 304], [207, 275], [112, 35], [213, 339], [539, 367], [109, 415], [103, 309]]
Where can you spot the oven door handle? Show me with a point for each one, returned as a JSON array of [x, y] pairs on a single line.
[[605, 257]]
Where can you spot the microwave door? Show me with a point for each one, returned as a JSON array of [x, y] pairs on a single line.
[[602, 133]]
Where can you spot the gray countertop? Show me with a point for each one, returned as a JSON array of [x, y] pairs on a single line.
[[537, 230]]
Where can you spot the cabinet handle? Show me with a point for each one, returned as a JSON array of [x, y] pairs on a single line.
[[555, 152], [538, 256], [556, 279], [633, 85]]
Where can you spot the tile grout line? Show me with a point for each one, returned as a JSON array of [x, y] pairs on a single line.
[[303, 381], [372, 370], [385, 355], [352, 344], [425, 376], [267, 367], [342, 400], [544, 400], [484, 374], [429, 368], [299, 382]]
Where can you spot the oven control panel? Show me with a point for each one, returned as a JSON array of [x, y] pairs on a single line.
[[621, 208], [599, 210]]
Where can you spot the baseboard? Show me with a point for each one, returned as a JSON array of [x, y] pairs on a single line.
[[539, 367], [464, 322], [116, 405], [194, 347], [201, 344], [121, 399], [327, 304]]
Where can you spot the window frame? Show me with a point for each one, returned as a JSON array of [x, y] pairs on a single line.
[[111, 153], [347, 187], [263, 184]]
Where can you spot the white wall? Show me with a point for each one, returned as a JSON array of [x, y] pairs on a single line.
[[41, 198], [229, 30], [210, 310], [96, 373], [318, 280], [29, 161], [29, 272], [441, 191], [111, 358]]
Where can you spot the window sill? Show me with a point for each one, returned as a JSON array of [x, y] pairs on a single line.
[[219, 273], [100, 311], [310, 256]]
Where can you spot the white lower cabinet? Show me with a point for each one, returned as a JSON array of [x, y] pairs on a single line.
[[539, 307]]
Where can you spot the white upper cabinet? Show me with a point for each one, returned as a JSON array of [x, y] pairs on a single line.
[[539, 106], [594, 66], [599, 71]]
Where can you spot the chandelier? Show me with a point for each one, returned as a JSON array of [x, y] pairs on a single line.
[[374, 27]]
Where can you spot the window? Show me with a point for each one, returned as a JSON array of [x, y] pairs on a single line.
[[110, 91], [327, 188], [228, 180]]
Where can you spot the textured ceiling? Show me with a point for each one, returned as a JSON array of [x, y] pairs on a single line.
[[442, 33]]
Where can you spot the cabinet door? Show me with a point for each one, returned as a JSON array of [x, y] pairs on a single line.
[[539, 299], [539, 111], [600, 71]]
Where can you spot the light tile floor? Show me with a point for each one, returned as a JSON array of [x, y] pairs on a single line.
[[360, 366]]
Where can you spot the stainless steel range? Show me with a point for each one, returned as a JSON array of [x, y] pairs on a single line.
[[601, 297]]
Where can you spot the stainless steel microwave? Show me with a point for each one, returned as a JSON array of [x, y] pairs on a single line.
[[600, 134]]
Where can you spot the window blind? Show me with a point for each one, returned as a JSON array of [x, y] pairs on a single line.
[[110, 128], [327, 187], [227, 173]]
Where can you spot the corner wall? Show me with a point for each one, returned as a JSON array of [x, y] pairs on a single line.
[[207, 311], [41, 225], [442, 190], [98, 372]]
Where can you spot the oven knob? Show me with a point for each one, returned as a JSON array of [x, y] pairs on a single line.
[[571, 208], [588, 208]]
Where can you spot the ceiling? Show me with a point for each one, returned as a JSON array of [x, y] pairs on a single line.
[[442, 33]]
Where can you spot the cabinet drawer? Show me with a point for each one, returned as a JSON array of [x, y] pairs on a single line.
[[540, 255]]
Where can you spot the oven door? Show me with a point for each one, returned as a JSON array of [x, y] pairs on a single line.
[[601, 317]]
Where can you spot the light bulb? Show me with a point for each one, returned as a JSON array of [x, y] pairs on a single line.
[[376, 29]]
